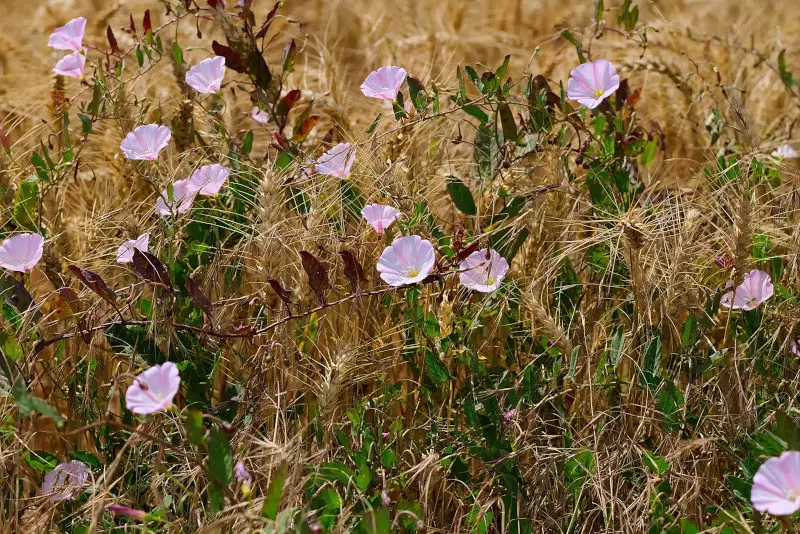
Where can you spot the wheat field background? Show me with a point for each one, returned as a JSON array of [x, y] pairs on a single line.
[[701, 58]]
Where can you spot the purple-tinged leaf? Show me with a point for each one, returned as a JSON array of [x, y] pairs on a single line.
[[317, 274], [150, 269], [95, 282], [199, 297], [352, 269]]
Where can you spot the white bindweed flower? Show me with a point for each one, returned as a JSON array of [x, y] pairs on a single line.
[[591, 83], [481, 273], [406, 261]]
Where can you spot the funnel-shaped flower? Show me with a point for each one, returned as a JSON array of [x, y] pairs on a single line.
[[182, 199], [784, 152], [481, 273], [591, 83], [755, 289], [69, 36], [21, 252], [406, 261], [379, 216], [209, 179], [259, 115], [776, 485], [125, 252], [154, 389], [71, 65], [65, 481], [146, 142], [206, 77], [336, 161], [126, 511], [384, 83]]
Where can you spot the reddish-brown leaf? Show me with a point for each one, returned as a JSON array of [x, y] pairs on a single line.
[[112, 40], [147, 26], [217, 4], [352, 269], [317, 274], [96, 283], [303, 129], [284, 295], [463, 253], [150, 269], [268, 22], [133, 25], [199, 297], [233, 60]]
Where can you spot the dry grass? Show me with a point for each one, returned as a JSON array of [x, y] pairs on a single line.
[[700, 56]]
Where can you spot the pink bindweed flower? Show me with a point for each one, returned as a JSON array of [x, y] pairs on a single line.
[[796, 347], [146, 142], [125, 252], [209, 179], [755, 289], [384, 83], [591, 83], [183, 195], [206, 77], [509, 417], [69, 36], [154, 389], [380, 217], [21, 252], [337, 161], [118, 509], [259, 115], [71, 65], [481, 273], [406, 261], [784, 152], [776, 485], [65, 481], [721, 261]]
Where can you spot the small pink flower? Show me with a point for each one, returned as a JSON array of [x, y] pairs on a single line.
[[384, 83], [125, 252], [755, 289], [592, 82], [183, 195], [721, 261], [154, 389], [69, 36], [336, 161], [241, 472], [479, 273], [209, 179], [146, 142], [21, 252], [509, 417], [118, 509], [65, 481], [776, 485], [796, 347], [259, 115], [406, 261], [206, 77], [71, 65], [784, 152], [380, 217]]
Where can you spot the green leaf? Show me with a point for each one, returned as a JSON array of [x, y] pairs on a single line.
[[376, 522], [375, 123], [649, 152], [615, 352], [352, 201], [461, 196], [786, 76], [40, 461], [177, 53], [28, 404], [473, 76], [272, 499], [510, 133], [194, 427], [247, 144], [87, 458], [10, 346], [477, 112], [435, 369], [501, 70], [578, 45], [577, 468], [86, 124], [651, 367], [573, 364], [689, 332], [220, 458], [787, 430], [139, 56], [417, 94], [656, 464], [598, 11]]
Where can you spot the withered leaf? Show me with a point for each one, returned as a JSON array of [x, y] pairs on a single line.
[[284, 295], [268, 22], [14, 293], [96, 283], [303, 129], [199, 297], [147, 26], [112, 40], [352, 269], [150, 269], [463, 253], [317, 274]]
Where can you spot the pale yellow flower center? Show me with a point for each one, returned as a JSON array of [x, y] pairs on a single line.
[[490, 281], [412, 272], [598, 93], [792, 495]]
